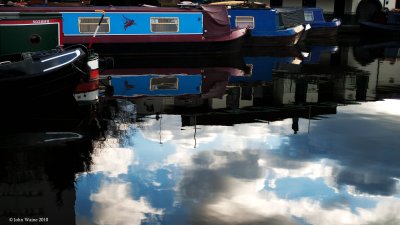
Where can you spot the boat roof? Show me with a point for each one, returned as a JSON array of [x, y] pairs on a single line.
[[96, 9], [228, 3], [243, 4], [29, 15]]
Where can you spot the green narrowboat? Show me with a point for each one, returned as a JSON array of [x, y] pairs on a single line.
[[29, 32]]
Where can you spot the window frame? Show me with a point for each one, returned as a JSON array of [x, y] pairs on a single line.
[[308, 14], [247, 21], [102, 23], [163, 17], [153, 87]]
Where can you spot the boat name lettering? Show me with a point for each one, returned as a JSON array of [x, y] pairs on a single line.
[[41, 21]]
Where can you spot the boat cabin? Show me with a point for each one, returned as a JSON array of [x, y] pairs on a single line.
[[129, 84], [29, 32], [265, 26], [320, 28], [147, 29]]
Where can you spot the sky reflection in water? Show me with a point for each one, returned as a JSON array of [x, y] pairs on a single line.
[[343, 169]]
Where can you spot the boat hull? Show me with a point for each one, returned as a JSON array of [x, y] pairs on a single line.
[[322, 33], [221, 46], [287, 40], [57, 80], [264, 28], [380, 31]]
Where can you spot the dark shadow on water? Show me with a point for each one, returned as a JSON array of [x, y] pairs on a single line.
[[43, 146]]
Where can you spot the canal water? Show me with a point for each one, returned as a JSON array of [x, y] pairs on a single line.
[[290, 136]]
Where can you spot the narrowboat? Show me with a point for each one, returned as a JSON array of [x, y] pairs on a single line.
[[214, 70], [148, 30], [179, 81], [29, 32], [128, 84], [384, 26], [265, 27], [320, 28], [42, 76], [262, 63], [264, 24]]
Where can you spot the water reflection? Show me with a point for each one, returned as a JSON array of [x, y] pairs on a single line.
[[382, 59], [299, 138], [269, 176], [270, 137], [41, 151]]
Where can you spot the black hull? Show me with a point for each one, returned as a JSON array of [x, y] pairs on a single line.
[[273, 51], [264, 41], [49, 86], [380, 31], [176, 61], [322, 33], [176, 48]]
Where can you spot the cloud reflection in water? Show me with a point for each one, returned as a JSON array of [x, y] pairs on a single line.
[[345, 171]]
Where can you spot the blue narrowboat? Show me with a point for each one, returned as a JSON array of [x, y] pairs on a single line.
[[148, 30], [155, 85], [261, 65], [169, 81], [265, 27], [320, 28]]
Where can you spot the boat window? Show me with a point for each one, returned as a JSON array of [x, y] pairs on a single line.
[[88, 25], [308, 16], [244, 22], [163, 83], [164, 24]]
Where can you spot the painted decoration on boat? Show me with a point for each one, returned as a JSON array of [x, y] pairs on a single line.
[[128, 22]]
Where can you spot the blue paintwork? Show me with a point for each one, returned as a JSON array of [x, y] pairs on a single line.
[[140, 85], [262, 68], [189, 23], [318, 20], [266, 22], [316, 52]]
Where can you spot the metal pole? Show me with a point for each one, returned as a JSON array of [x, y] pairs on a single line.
[[97, 29]]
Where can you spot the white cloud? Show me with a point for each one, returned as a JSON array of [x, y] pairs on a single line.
[[243, 204], [388, 106], [114, 205], [113, 161]]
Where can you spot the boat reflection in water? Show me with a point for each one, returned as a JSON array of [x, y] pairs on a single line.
[[383, 59], [172, 82], [42, 148], [287, 144], [308, 143]]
